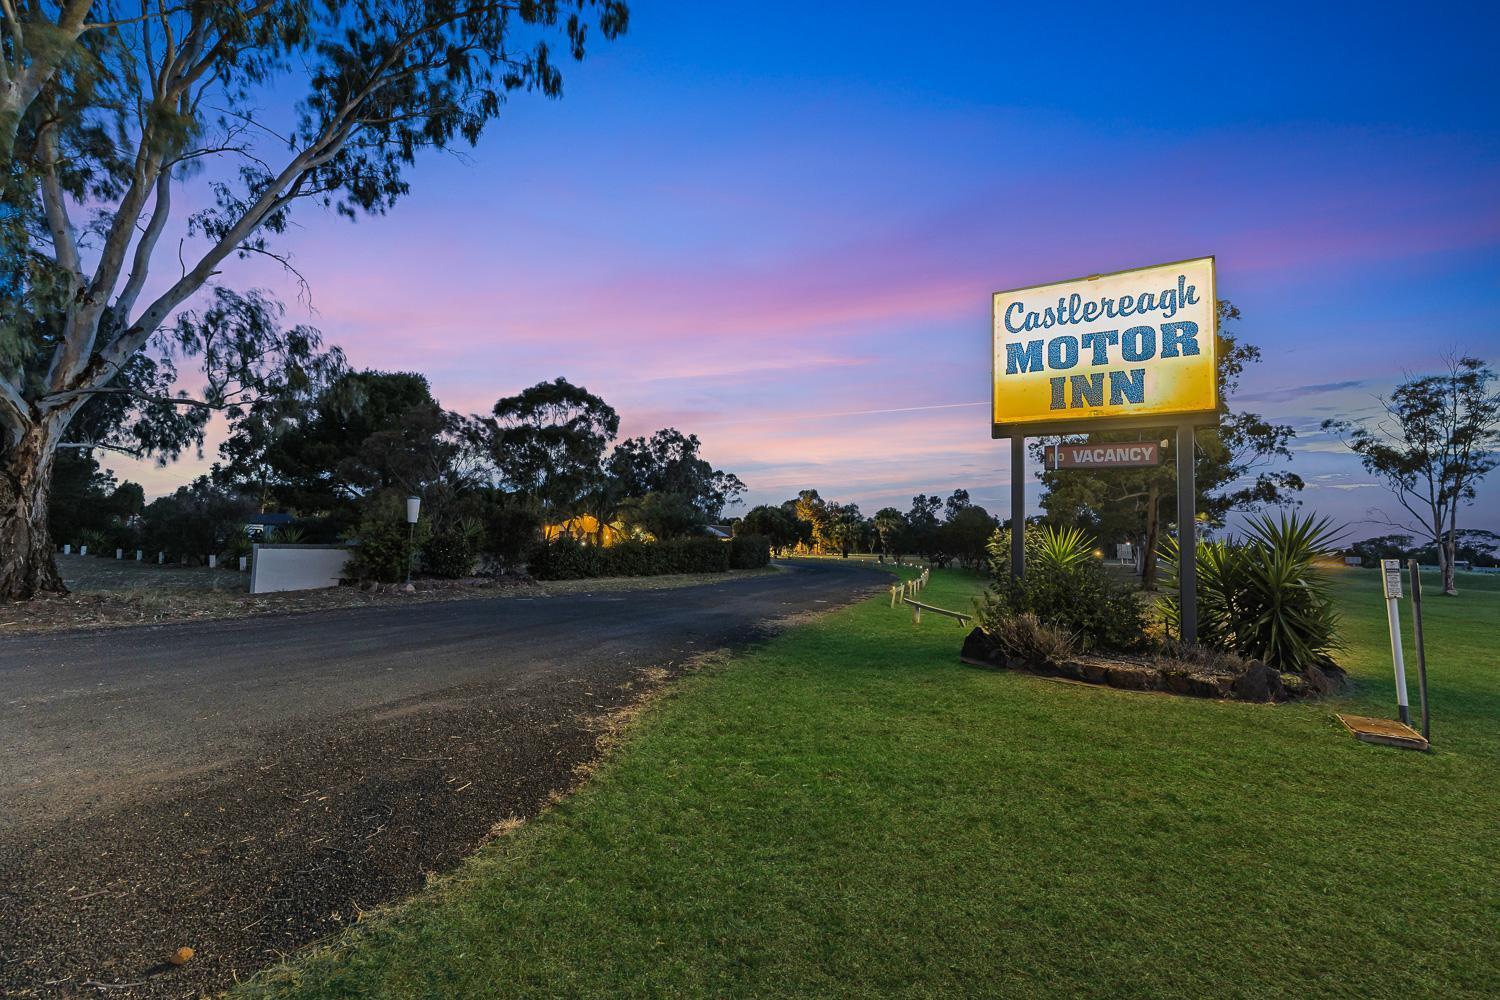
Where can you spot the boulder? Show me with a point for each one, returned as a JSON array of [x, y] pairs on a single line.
[[1074, 670], [1130, 678], [1096, 673], [1258, 683], [979, 651]]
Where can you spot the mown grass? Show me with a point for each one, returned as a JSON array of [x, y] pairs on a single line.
[[848, 811]]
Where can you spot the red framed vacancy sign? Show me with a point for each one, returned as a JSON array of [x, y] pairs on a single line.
[[1116, 455]]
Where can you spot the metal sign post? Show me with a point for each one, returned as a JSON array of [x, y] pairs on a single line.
[[1416, 625], [1187, 532], [1390, 576], [1017, 506]]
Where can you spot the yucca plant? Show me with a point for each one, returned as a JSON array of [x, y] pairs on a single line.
[[287, 534], [1063, 548], [1263, 597], [1060, 548]]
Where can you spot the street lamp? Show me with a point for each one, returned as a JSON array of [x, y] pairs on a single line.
[[413, 508]]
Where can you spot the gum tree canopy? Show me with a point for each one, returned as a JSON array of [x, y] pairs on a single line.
[[107, 108]]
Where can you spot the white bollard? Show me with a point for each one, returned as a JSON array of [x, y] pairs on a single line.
[[138, 555], [213, 562], [83, 550], [1390, 573], [119, 553], [67, 550], [161, 557], [244, 560]]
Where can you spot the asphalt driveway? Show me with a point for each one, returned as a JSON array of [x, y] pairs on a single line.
[[244, 787]]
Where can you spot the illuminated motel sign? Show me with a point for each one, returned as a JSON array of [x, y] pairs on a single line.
[[1106, 352], [1132, 350]]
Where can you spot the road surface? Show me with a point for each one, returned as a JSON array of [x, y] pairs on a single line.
[[243, 787]]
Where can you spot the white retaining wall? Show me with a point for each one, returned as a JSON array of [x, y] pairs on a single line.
[[296, 567]]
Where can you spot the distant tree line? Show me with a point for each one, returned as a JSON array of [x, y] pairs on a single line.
[[343, 455], [940, 531]]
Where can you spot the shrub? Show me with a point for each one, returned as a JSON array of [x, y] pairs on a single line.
[[1263, 597], [453, 550], [749, 551], [693, 555], [1027, 637], [511, 528], [385, 546], [1081, 600], [567, 558]]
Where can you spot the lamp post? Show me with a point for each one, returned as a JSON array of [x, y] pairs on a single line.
[[413, 508]]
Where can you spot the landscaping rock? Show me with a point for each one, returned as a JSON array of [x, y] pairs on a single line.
[[1258, 683], [1096, 673], [979, 650], [1074, 670], [1131, 678]]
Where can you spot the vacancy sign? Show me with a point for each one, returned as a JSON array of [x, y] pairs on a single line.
[[1112, 350], [1120, 455]]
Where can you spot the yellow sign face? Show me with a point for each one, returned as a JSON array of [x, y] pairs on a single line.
[[1130, 345]]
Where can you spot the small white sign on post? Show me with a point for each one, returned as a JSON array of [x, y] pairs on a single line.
[[1390, 572]]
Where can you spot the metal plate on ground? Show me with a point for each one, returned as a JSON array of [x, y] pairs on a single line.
[[1387, 732]]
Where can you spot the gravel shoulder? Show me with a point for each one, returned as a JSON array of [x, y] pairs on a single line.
[[244, 787]]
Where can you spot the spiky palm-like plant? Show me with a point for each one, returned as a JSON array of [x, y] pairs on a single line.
[[1264, 597]]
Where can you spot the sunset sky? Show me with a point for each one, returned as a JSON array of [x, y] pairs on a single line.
[[778, 225]]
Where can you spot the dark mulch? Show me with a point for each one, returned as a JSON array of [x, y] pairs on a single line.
[[283, 848]]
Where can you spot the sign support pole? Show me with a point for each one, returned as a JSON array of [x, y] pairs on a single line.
[[1416, 625], [1390, 572], [1017, 506], [1187, 532]]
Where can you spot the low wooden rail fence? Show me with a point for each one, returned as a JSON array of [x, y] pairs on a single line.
[[906, 593]]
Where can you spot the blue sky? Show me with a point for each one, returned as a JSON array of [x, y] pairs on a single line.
[[777, 225]]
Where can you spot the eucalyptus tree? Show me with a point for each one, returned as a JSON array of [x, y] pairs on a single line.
[[1434, 441], [107, 109]]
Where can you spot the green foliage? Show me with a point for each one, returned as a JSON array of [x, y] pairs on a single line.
[[664, 515], [86, 497], [1080, 599], [567, 558], [548, 442], [1264, 598], [1063, 548], [96, 541], [1026, 637], [1235, 468], [1437, 439], [965, 534], [196, 520], [668, 462], [511, 527], [453, 550], [749, 551], [386, 542], [774, 524]]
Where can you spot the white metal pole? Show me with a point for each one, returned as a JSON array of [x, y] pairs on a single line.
[[1395, 622], [1390, 572]]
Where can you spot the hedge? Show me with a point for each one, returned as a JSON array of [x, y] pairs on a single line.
[[568, 559]]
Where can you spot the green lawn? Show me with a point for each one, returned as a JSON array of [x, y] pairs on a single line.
[[848, 811]]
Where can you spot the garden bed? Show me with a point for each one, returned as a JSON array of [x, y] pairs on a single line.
[[1202, 676]]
